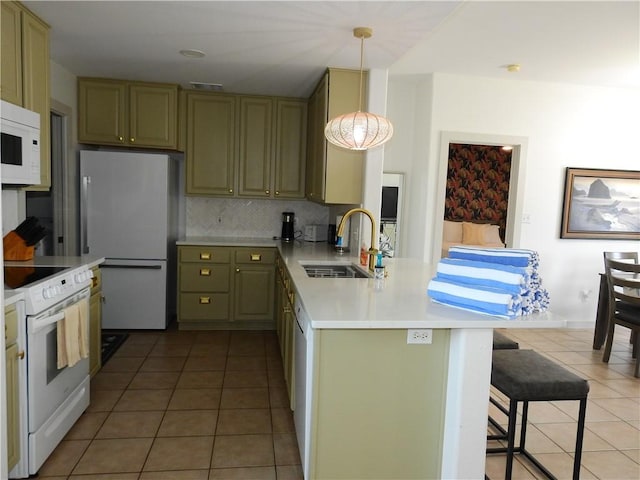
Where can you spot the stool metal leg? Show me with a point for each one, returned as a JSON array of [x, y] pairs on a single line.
[[523, 427], [511, 435], [579, 437]]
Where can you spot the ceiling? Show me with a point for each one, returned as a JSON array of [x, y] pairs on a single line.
[[282, 47]]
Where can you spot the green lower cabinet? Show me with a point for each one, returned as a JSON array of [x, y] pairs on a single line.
[[378, 405], [254, 293], [226, 288], [204, 307], [13, 355]]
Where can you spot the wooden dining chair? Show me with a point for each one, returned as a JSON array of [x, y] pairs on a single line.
[[623, 279]]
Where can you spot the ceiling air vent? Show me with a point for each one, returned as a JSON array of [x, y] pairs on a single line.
[[215, 87]]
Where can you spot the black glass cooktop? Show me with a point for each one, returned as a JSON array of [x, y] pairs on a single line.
[[21, 276]]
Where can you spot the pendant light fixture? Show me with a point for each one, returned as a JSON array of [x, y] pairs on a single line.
[[359, 130]]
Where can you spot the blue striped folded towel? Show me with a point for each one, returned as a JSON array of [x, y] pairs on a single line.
[[486, 301], [515, 280], [505, 256]]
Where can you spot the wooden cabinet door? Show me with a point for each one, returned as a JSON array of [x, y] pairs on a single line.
[[12, 357], [255, 154], [102, 106], [13, 406], [343, 168], [211, 144], [254, 293], [153, 114], [290, 149], [317, 144], [36, 92], [334, 175], [11, 56], [95, 333], [95, 323]]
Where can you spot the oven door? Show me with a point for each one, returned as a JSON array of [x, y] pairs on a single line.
[[49, 386]]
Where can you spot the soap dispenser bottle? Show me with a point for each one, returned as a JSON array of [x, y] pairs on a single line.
[[378, 271]]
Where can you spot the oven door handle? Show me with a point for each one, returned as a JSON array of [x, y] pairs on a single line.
[[38, 325]]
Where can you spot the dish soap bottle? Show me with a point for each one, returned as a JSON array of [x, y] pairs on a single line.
[[378, 271], [364, 257]]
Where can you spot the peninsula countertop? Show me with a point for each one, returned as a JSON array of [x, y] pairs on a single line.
[[399, 301]]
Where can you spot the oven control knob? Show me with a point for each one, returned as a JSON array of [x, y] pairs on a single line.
[[83, 276], [48, 292], [57, 290]]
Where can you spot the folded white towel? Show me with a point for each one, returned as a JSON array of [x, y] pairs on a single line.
[[72, 335]]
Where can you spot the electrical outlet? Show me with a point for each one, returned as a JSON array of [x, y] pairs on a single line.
[[419, 336]]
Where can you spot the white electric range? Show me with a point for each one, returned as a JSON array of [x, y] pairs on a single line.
[[52, 398]]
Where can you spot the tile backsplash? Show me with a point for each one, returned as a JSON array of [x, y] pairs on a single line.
[[232, 217]]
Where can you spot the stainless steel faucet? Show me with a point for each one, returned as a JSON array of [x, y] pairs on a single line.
[[373, 249]]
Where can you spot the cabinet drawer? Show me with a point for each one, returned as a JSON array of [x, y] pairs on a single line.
[[10, 325], [204, 306], [96, 281], [205, 254], [204, 277], [255, 256]]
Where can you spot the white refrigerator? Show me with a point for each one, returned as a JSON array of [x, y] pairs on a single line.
[[131, 213]]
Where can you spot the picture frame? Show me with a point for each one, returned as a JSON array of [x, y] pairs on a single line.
[[601, 204]]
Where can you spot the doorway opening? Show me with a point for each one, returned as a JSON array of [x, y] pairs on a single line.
[[515, 196], [48, 205], [478, 184]]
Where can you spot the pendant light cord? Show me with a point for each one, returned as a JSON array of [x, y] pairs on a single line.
[[361, 57]]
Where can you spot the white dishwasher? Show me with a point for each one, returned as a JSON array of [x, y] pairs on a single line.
[[302, 384]]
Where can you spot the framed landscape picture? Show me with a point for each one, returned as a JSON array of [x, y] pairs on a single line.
[[601, 204]]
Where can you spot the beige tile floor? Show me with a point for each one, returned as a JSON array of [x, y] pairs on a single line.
[[213, 405]]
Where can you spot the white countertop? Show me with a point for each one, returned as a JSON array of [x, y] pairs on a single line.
[[230, 241], [398, 301], [11, 297], [58, 261]]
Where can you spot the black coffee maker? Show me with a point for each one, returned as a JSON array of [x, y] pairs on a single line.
[[287, 226]]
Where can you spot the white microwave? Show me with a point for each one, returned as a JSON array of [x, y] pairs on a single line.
[[19, 145]]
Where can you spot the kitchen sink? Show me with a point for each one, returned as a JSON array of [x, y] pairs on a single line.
[[335, 271]]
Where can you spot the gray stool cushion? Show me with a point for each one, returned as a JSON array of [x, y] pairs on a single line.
[[502, 342], [525, 375]]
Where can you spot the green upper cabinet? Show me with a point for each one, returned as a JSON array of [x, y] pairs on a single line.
[[135, 114], [334, 174], [245, 146], [24, 77], [11, 38], [290, 148], [256, 155], [211, 150]]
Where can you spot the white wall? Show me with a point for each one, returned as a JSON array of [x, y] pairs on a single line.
[[566, 126]]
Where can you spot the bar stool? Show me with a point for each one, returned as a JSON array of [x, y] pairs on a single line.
[[526, 376], [500, 342]]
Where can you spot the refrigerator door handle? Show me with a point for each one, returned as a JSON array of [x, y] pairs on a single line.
[[86, 180], [148, 267]]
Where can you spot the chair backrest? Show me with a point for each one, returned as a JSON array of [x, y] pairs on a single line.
[[623, 279], [621, 256]]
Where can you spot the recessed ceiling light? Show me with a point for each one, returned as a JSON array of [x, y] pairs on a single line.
[[513, 67], [216, 87], [191, 53]]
